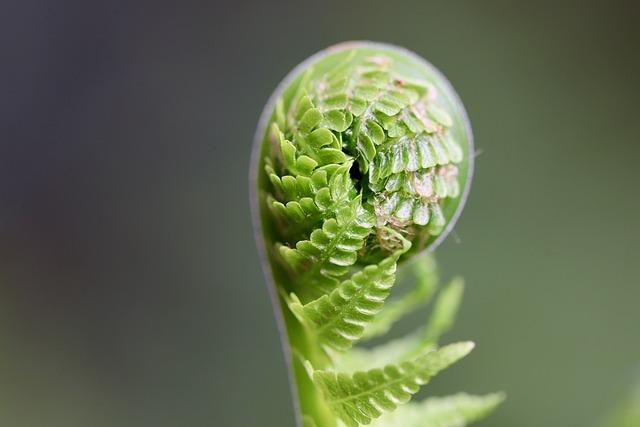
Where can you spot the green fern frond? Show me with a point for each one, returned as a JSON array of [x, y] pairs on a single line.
[[303, 201], [294, 188], [312, 134], [440, 321], [426, 281], [340, 318], [363, 396], [457, 410], [363, 154], [338, 192], [332, 249]]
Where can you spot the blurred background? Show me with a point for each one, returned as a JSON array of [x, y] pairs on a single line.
[[130, 290]]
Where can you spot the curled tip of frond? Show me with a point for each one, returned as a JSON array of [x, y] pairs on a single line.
[[391, 136]]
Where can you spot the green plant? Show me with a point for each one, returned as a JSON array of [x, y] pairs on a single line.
[[362, 161]]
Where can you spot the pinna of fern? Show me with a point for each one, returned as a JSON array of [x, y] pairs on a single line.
[[362, 162]]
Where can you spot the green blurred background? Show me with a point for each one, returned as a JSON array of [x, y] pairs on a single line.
[[130, 291]]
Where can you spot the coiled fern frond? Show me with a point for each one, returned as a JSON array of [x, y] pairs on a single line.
[[362, 162]]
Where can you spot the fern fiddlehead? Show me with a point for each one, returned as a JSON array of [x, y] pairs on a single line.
[[361, 162]]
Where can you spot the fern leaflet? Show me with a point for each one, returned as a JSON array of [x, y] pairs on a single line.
[[361, 397], [457, 410], [339, 318]]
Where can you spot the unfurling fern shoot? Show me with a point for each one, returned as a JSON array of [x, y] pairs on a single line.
[[362, 162]]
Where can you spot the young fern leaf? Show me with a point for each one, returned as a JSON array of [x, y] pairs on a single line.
[[308, 198], [423, 269], [359, 398], [440, 321], [362, 161], [457, 410], [340, 318], [332, 249]]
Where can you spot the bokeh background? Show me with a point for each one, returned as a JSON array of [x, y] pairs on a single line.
[[130, 291]]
